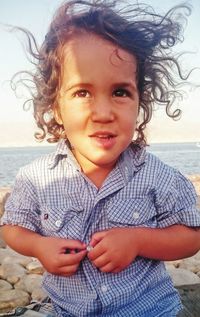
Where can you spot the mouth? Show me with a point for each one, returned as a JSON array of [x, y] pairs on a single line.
[[103, 139], [103, 135]]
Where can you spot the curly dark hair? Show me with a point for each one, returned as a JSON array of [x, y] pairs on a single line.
[[137, 29]]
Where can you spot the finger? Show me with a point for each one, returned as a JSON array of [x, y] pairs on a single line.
[[73, 244], [71, 259], [117, 269], [101, 261], [68, 270], [96, 252], [71, 251], [109, 267], [97, 237]]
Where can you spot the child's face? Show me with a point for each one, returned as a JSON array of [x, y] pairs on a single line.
[[98, 100]]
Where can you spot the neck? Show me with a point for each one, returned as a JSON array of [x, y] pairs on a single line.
[[96, 173], [97, 176]]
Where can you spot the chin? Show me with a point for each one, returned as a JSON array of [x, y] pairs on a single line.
[[104, 162]]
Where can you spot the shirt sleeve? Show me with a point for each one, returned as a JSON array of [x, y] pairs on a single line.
[[21, 206], [177, 203]]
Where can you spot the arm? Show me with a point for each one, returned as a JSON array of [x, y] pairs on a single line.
[[116, 248], [51, 251], [172, 243]]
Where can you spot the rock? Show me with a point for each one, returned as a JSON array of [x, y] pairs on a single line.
[[175, 263], [3, 254], [182, 277], [190, 297], [5, 285], [2, 242], [35, 267], [198, 201], [38, 294], [197, 256], [4, 194], [195, 179], [20, 259], [10, 299], [17, 259], [29, 282], [14, 256], [12, 272], [169, 266], [190, 264]]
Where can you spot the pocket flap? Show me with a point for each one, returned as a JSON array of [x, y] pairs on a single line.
[[133, 211], [53, 218]]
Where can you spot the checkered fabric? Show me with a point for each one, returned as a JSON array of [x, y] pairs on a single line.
[[54, 198]]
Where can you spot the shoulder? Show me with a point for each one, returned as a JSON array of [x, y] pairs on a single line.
[[43, 161], [154, 170], [157, 166], [37, 169], [167, 178], [149, 162]]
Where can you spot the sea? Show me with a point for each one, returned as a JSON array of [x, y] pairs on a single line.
[[183, 156]]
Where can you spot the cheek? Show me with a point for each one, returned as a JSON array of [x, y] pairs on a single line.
[[130, 128], [73, 124], [70, 117], [130, 119]]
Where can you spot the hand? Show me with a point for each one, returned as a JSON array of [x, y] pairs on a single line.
[[52, 254], [114, 249]]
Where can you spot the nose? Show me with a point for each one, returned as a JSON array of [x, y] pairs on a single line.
[[102, 110]]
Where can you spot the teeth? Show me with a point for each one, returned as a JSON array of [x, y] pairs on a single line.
[[104, 136]]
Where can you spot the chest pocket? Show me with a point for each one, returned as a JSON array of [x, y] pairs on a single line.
[[57, 221], [132, 212]]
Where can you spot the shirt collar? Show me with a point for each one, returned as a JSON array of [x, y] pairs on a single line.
[[62, 150], [130, 162]]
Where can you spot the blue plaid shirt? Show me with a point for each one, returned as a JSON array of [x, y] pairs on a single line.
[[54, 198]]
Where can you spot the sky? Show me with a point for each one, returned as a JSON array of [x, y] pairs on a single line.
[[17, 126]]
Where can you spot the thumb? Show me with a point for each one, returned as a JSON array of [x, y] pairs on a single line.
[[97, 237]]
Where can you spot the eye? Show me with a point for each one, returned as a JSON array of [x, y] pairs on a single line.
[[121, 92], [82, 93]]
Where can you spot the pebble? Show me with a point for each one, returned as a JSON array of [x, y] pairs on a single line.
[[10, 299], [182, 277], [21, 276], [4, 193]]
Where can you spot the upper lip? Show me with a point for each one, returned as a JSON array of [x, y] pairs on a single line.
[[103, 134]]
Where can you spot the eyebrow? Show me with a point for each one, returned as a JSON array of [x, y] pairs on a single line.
[[81, 84], [126, 85], [115, 85]]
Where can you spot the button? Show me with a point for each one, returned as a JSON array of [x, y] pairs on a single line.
[[135, 215], [58, 223], [104, 288], [89, 248]]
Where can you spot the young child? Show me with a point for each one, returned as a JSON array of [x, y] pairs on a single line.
[[100, 213]]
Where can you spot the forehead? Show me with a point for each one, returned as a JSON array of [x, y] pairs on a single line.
[[94, 50]]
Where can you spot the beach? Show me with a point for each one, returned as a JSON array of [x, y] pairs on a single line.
[[21, 276]]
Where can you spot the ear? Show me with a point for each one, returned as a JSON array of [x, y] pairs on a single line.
[[57, 115]]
